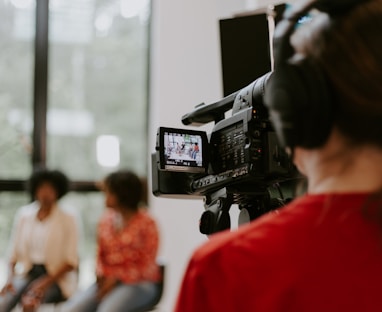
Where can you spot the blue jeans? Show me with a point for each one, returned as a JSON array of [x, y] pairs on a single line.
[[10, 300], [123, 298]]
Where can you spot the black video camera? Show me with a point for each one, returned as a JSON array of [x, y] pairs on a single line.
[[240, 162]]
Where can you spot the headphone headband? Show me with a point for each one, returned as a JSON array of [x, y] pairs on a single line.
[[298, 94], [285, 29]]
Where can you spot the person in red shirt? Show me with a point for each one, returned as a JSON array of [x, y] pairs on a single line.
[[323, 251], [128, 240]]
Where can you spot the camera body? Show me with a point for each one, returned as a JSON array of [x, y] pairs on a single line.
[[237, 163]]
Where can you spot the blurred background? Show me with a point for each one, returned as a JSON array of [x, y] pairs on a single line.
[[84, 85]]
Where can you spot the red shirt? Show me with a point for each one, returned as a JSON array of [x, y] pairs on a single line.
[[128, 253], [320, 253]]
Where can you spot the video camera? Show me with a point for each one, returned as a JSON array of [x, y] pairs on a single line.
[[240, 162]]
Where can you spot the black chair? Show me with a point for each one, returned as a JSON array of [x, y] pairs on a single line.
[[152, 306]]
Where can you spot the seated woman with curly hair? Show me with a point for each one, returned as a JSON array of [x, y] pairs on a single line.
[[44, 244]]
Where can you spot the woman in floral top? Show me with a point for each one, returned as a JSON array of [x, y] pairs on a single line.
[[128, 241]]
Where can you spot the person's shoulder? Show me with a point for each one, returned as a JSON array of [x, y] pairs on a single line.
[[144, 214], [269, 236], [27, 210], [146, 221], [107, 216], [66, 211], [66, 216]]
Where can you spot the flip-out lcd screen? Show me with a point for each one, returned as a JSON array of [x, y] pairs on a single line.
[[182, 150]]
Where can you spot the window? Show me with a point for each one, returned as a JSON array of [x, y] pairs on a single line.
[[97, 86], [16, 87], [75, 101]]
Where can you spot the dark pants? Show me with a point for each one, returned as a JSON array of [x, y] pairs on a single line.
[[10, 300]]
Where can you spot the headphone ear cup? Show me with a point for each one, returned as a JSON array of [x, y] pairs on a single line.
[[299, 104]]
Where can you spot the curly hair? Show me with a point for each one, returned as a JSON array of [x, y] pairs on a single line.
[[56, 178]]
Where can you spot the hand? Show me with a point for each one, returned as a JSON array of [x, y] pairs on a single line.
[[8, 287], [31, 300], [41, 284], [35, 293]]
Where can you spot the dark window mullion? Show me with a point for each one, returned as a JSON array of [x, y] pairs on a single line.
[[39, 94], [40, 103]]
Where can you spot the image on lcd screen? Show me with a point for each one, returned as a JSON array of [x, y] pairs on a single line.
[[183, 151]]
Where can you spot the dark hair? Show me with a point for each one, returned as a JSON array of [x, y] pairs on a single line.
[[348, 49], [56, 178], [126, 186]]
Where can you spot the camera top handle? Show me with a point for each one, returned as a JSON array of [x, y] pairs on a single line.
[[253, 93], [203, 113]]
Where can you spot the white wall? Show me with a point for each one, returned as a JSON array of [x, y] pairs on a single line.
[[185, 71]]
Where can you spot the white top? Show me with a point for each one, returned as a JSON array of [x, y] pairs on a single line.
[[38, 238], [59, 245]]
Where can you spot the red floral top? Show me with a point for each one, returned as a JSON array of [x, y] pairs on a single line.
[[128, 253]]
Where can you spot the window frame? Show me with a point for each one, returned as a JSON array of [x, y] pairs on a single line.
[[40, 103]]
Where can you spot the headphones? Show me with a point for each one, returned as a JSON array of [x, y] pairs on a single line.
[[297, 95]]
